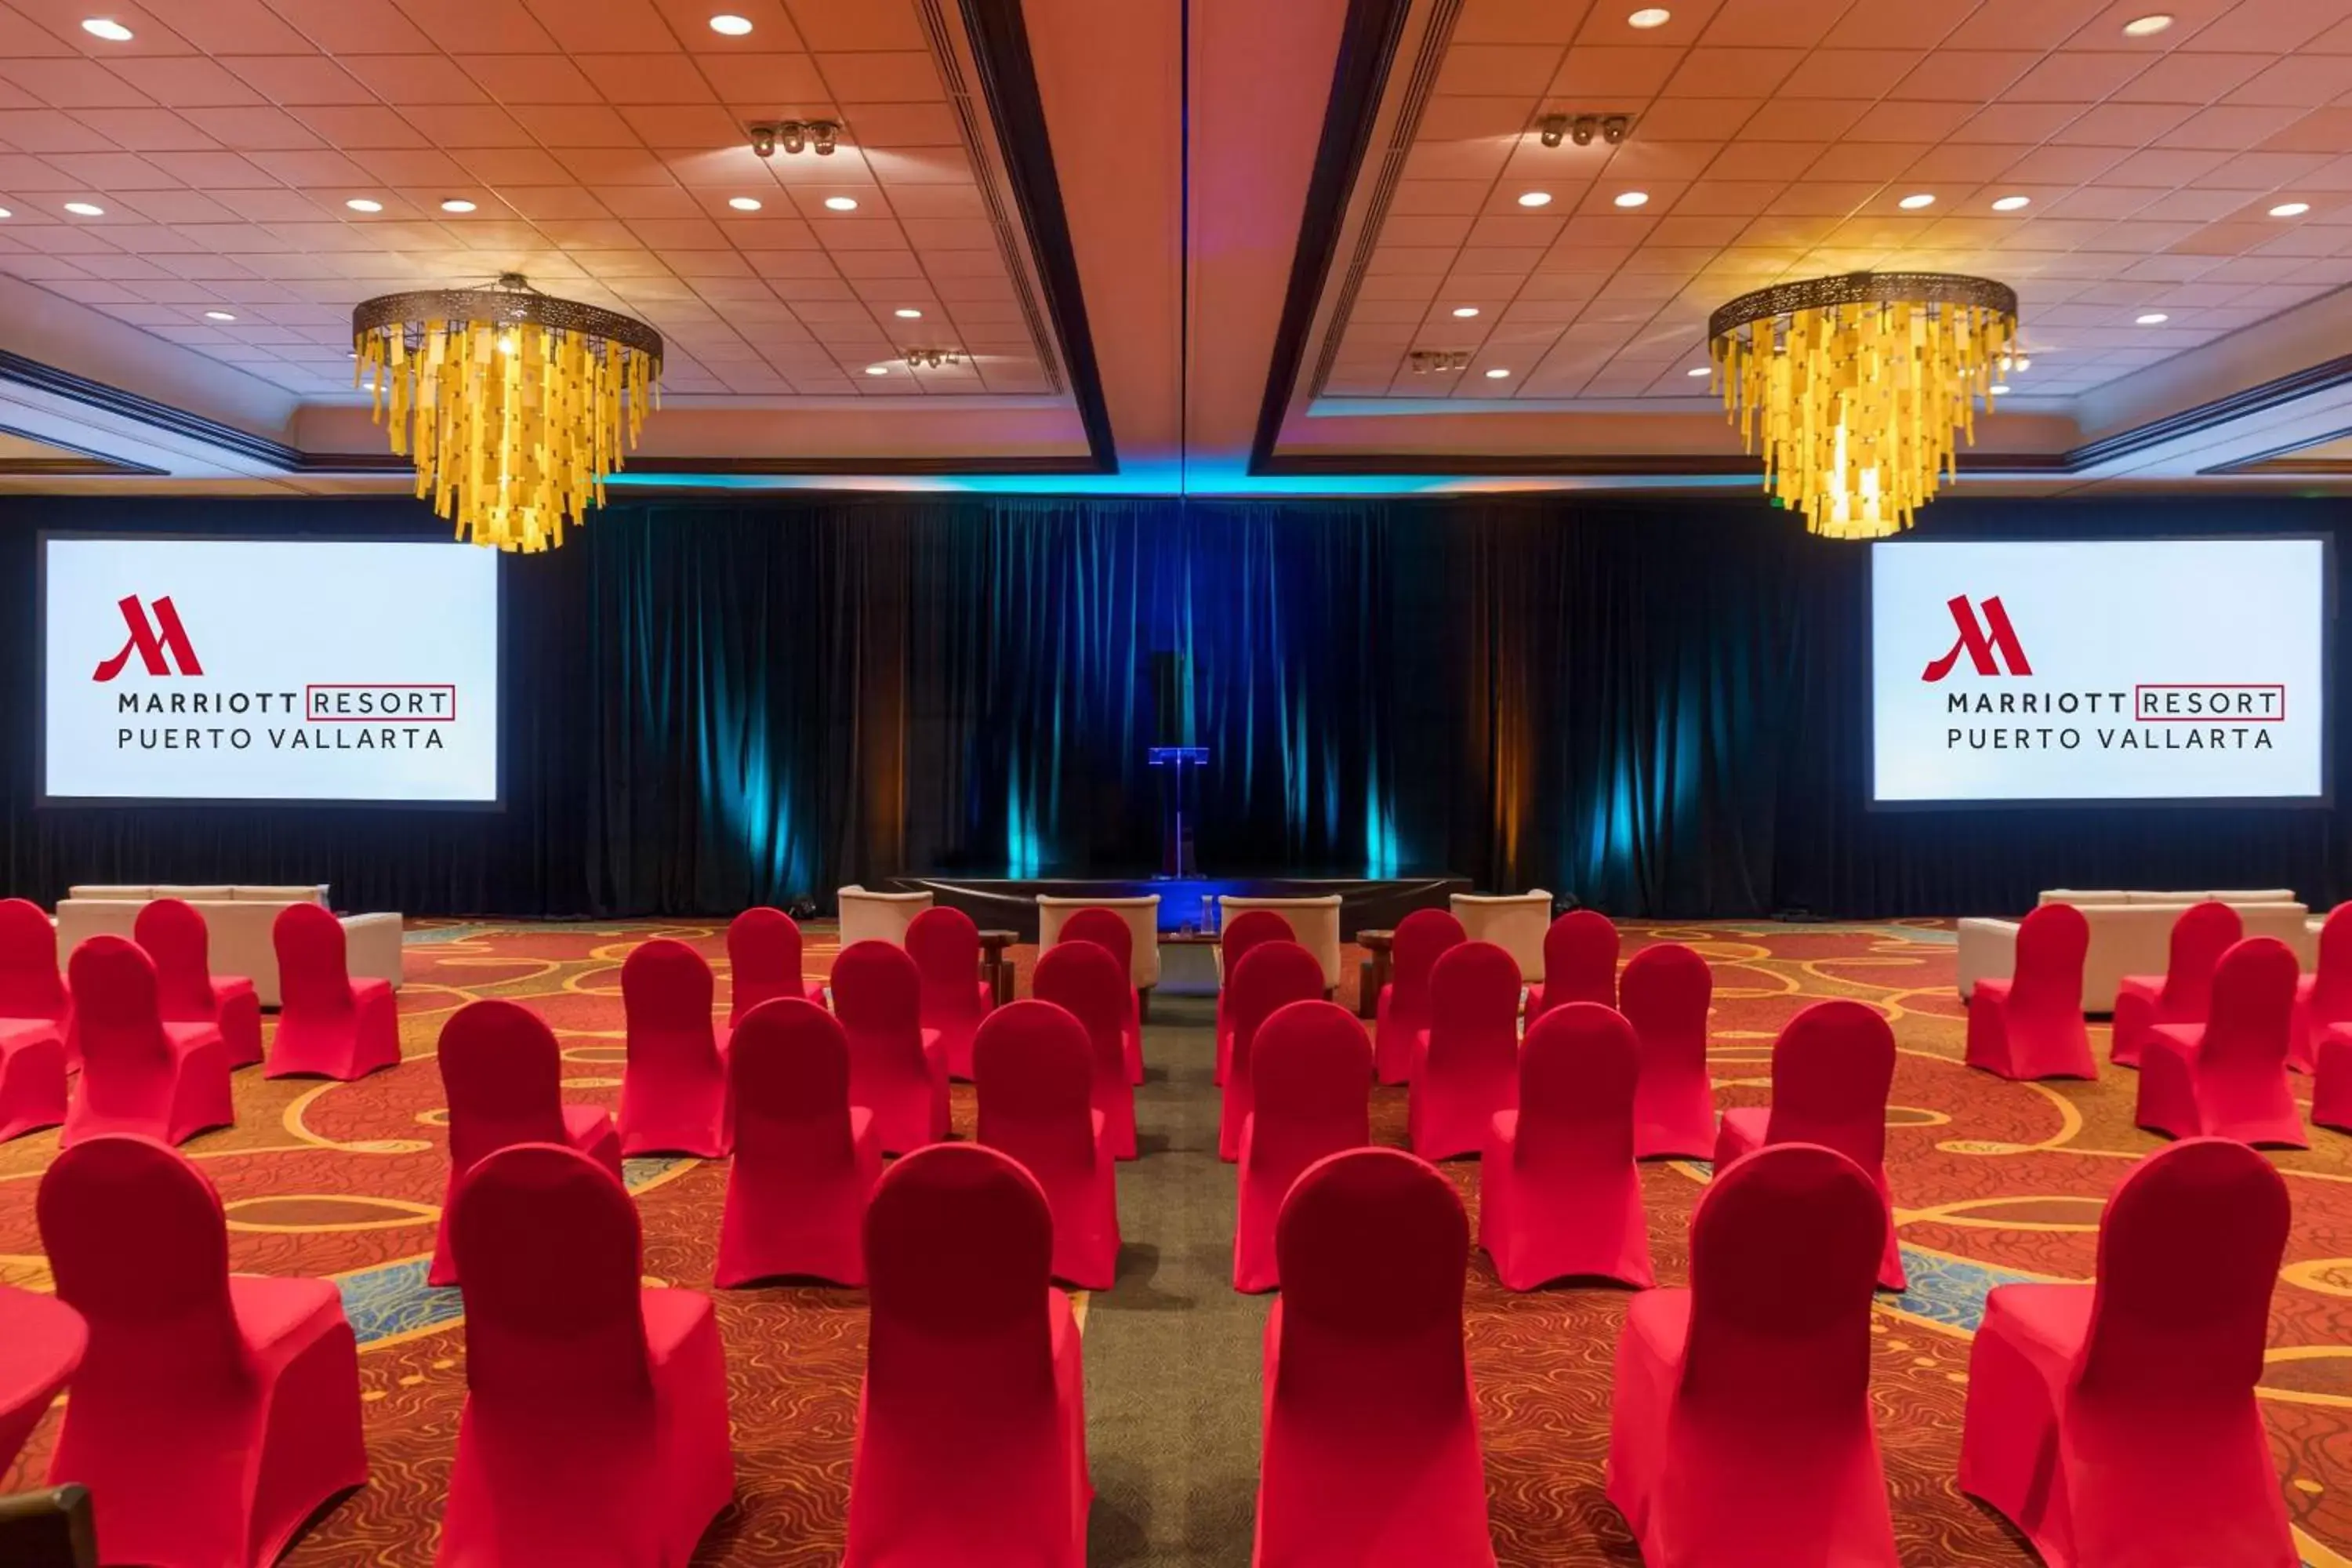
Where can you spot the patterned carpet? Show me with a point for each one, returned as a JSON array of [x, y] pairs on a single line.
[[1992, 1182]]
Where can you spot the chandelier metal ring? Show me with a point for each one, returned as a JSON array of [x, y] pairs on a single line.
[[1863, 289]]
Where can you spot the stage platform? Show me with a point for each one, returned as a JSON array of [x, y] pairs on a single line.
[[1009, 903]]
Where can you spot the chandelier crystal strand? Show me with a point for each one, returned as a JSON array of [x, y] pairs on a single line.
[[512, 404], [1860, 388]]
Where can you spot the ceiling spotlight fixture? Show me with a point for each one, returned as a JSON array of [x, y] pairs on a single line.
[[877, 370], [106, 27], [824, 135], [1858, 455], [908, 313], [1464, 312], [931, 359], [744, 203], [1632, 198], [2290, 209], [1535, 198], [456, 204], [365, 204], [84, 209], [2012, 203], [1554, 129], [793, 137], [2147, 26], [1700, 369], [1496, 374], [1913, 204], [1650, 16], [730, 25], [2153, 319], [1437, 361], [218, 316], [841, 203]]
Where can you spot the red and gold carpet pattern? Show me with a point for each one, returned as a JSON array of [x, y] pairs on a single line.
[[1992, 1182]]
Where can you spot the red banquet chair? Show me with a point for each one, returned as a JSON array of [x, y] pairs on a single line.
[[805, 1158], [2331, 1083], [2185, 990], [2227, 1078], [1272, 974], [945, 946], [1741, 1428], [32, 988], [1033, 1070], [763, 963], [1093, 986], [1665, 994], [1420, 938], [595, 1428], [1465, 1065], [1831, 1068], [2324, 997], [328, 1024], [41, 1341], [897, 1068], [1580, 955], [32, 1076], [1108, 930], [502, 1076], [174, 935], [213, 1412], [1370, 1455], [139, 1074], [2114, 1422], [1242, 933], [2031, 1026], [1558, 1192], [37, 1043], [674, 1084], [971, 1428], [1310, 1095]]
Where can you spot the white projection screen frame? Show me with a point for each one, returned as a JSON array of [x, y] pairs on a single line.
[[289, 671], [2158, 671]]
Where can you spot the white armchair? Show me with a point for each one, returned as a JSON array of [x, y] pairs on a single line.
[[868, 916], [1314, 925], [1143, 918], [1515, 923], [239, 922]]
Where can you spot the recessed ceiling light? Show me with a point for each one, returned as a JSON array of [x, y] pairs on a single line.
[[1496, 374], [365, 204], [2153, 319], [1698, 370], [1464, 312], [6, 213], [106, 28], [218, 316], [1650, 16], [84, 209], [1913, 204], [842, 204], [456, 204], [2147, 26], [1535, 198], [2290, 209], [908, 313], [877, 370], [731, 26], [1632, 198], [2001, 389], [744, 203], [2010, 203]]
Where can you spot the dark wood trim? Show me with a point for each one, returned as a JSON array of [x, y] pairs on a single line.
[[1008, 80], [2278, 460], [84, 462], [752, 467], [1368, 46], [1601, 465], [131, 405], [2255, 399]]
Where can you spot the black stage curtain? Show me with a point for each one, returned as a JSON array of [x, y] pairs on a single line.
[[1658, 708]]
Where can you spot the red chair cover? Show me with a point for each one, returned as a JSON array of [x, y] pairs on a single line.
[[41, 1342], [1092, 984], [763, 963], [971, 1430], [595, 1428], [212, 1414], [806, 1159], [945, 946], [31, 983], [328, 1024], [1580, 962], [174, 935], [502, 1077], [1558, 1192], [1310, 1095], [2114, 1422], [1741, 1428], [139, 1074], [1420, 939], [1242, 933], [2331, 1085], [1666, 991], [2325, 996], [2227, 1078], [1034, 1069], [2031, 1026], [674, 1087], [1370, 1455], [1272, 974], [1831, 1068], [32, 1076], [1465, 1065], [2185, 990], [897, 1068], [1107, 930]]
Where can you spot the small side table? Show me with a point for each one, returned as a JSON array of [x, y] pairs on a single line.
[[994, 967], [1374, 973], [1188, 962]]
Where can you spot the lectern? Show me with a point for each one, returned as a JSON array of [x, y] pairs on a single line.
[[1179, 789]]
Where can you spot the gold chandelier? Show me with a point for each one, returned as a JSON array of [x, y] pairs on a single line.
[[1858, 386], [512, 402]]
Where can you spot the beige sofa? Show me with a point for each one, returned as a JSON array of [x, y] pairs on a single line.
[[2131, 933], [1515, 923], [868, 916], [238, 920], [1313, 924]]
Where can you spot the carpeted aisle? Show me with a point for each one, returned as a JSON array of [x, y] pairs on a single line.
[[1993, 1182]]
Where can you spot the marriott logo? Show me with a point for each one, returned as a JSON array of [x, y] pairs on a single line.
[[159, 645], [1988, 642]]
